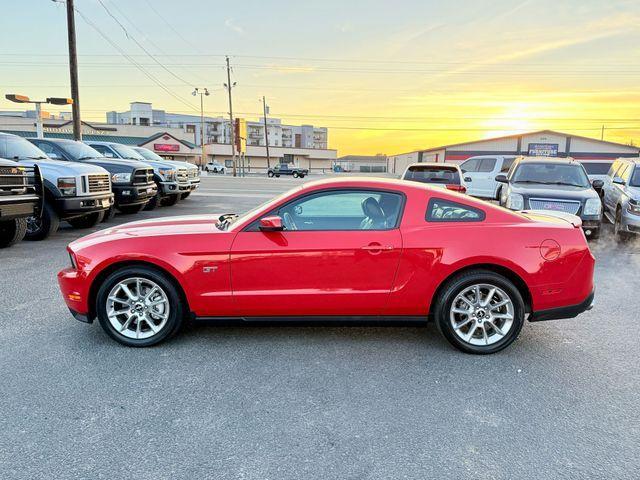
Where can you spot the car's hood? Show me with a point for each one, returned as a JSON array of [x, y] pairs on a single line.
[[61, 168], [554, 191], [183, 225], [156, 164], [187, 165], [112, 164]]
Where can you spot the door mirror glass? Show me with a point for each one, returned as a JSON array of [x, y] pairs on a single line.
[[468, 179], [271, 224], [597, 184], [618, 180], [501, 178]]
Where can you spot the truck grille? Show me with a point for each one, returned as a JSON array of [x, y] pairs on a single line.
[[566, 206], [99, 183], [143, 176], [183, 175], [12, 178]]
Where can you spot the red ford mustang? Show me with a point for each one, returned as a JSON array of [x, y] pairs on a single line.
[[349, 248]]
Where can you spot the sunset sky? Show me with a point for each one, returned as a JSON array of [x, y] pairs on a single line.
[[385, 77]]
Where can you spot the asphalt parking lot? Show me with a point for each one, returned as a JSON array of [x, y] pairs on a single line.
[[300, 402]]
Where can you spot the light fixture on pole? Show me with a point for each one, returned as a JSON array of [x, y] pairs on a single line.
[[17, 98], [203, 92]]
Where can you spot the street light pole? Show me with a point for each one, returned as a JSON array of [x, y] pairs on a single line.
[[17, 98], [202, 92], [73, 70]]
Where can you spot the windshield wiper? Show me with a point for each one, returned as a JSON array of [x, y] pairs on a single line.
[[568, 184], [36, 158], [86, 158]]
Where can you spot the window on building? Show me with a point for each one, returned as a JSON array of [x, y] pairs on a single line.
[[191, 129]]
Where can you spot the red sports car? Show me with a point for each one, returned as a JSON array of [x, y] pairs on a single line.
[[348, 248]]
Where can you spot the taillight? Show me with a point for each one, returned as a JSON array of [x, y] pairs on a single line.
[[457, 188]]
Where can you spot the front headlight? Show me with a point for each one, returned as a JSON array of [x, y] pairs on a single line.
[[67, 186], [634, 207], [592, 207], [168, 174], [121, 177], [515, 201]]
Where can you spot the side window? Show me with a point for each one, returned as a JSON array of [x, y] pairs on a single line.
[[470, 165], [49, 149], [614, 168], [440, 210], [625, 173], [487, 165], [506, 164], [103, 149], [343, 210]]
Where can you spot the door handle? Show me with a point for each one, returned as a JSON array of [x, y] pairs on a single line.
[[376, 247]]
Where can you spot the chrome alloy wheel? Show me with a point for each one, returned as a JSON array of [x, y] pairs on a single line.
[[481, 314], [137, 308], [33, 224]]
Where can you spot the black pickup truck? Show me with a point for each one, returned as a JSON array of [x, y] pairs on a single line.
[[20, 197], [285, 169]]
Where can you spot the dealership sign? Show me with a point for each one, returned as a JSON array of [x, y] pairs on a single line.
[[166, 147], [543, 149]]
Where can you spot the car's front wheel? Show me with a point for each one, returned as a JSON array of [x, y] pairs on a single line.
[[139, 307], [480, 312], [87, 221], [185, 195], [40, 227], [170, 200], [618, 232], [131, 209]]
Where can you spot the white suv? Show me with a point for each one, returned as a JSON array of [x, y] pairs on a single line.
[[480, 174]]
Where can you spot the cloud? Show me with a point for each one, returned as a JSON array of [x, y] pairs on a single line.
[[231, 25]]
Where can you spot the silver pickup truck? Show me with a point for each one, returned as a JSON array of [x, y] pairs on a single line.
[[184, 168], [621, 197], [74, 192]]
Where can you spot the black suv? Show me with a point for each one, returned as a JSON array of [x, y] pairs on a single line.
[[20, 198], [553, 184], [131, 181]]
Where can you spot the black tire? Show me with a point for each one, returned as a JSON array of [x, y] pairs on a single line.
[[109, 214], [296, 174], [620, 235], [39, 228], [176, 312], [12, 231], [270, 174], [277, 176], [170, 201], [302, 175], [87, 221], [185, 196], [153, 203], [455, 286], [131, 209]]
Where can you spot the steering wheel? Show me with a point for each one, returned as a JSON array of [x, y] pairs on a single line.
[[288, 221]]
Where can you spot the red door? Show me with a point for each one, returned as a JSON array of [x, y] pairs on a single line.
[[301, 273]]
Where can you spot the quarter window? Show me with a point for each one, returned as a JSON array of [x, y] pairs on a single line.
[[440, 210]]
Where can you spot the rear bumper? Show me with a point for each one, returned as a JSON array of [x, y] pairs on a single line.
[[571, 311], [73, 206], [134, 194], [18, 206]]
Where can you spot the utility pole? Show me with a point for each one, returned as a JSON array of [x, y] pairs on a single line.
[[73, 70], [266, 132], [229, 86], [202, 92], [602, 135]]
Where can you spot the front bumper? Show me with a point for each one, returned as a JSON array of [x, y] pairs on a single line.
[[68, 207], [134, 194], [571, 311], [173, 188], [74, 287], [194, 184], [630, 222], [18, 206]]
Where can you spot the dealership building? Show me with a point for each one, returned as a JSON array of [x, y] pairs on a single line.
[[541, 143]]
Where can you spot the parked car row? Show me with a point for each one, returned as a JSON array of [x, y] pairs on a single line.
[[81, 183], [563, 185]]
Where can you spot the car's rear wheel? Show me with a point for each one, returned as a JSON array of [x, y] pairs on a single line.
[[12, 231], [86, 221], [270, 174], [480, 312], [296, 174], [139, 307]]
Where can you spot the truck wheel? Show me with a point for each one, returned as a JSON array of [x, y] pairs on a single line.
[[479, 312], [169, 201], [620, 235], [185, 195], [278, 176], [109, 214], [131, 209], [270, 174], [153, 203], [87, 221], [302, 175], [39, 228], [296, 174], [12, 231]]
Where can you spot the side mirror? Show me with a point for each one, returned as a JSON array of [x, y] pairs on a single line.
[[501, 178], [271, 224], [618, 180], [468, 179], [597, 184]]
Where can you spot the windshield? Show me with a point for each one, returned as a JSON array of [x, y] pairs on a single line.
[[79, 150], [18, 148], [430, 174], [551, 174], [149, 155], [127, 152], [635, 178], [264, 207]]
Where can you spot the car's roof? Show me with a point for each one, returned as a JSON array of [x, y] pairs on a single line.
[[548, 160], [96, 142], [434, 165], [55, 140]]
